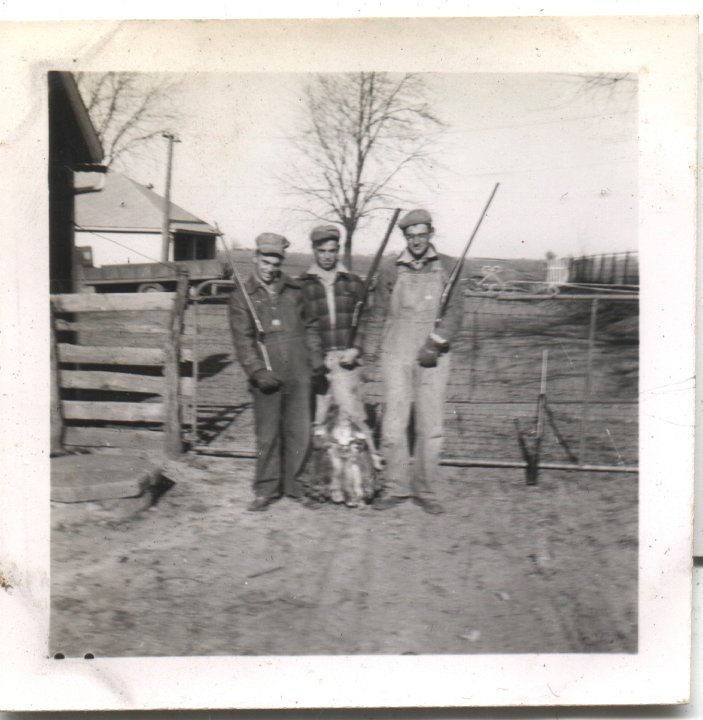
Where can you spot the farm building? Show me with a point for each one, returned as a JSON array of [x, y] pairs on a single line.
[[123, 224], [73, 145]]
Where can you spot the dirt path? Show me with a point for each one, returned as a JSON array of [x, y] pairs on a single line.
[[508, 569]]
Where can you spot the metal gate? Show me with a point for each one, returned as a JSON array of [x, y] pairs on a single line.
[[551, 379]]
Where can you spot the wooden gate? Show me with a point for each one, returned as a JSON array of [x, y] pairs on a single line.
[[118, 377]]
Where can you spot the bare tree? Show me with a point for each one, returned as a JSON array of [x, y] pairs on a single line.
[[361, 133], [602, 88], [130, 111]]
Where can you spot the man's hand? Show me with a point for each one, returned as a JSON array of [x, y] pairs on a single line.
[[319, 370], [427, 356], [266, 381], [349, 357], [429, 352]]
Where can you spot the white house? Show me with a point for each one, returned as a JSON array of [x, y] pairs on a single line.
[[123, 224]]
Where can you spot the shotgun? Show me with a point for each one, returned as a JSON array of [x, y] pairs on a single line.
[[532, 456], [456, 270], [252, 311], [539, 430], [370, 280]]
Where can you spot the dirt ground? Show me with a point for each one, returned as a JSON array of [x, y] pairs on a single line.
[[509, 568]]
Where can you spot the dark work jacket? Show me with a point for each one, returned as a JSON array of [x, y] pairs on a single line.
[[291, 335]]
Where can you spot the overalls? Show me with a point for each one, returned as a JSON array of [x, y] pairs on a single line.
[[412, 310]]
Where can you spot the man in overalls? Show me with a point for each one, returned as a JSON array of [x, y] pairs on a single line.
[[414, 361], [281, 393]]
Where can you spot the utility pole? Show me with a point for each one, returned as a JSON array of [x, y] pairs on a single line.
[[165, 228]]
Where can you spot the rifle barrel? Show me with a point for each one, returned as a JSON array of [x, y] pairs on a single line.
[[456, 270], [252, 310], [370, 278]]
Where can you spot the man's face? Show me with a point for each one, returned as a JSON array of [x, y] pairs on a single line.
[[418, 238], [326, 254], [268, 266]]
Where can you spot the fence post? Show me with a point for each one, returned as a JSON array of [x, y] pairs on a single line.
[[599, 274], [587, 382], [196, 371], [173, 442], [57, 424]]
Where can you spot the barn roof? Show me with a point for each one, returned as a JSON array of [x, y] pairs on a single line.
[[125, 205], [72, 137]]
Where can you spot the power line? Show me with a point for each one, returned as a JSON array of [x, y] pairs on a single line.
[[170, 265], [515, 126], [557, 168]]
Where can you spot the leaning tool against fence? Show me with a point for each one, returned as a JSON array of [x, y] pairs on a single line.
[[277, 344], [418, 300], [532, 455]]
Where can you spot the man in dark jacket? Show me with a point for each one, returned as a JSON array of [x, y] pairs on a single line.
[[281, 392], [331, 293], [414, 361]]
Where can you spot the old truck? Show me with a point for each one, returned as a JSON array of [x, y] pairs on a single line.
[[151, 277]]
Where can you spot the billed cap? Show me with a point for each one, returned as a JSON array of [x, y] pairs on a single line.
[[324, 232], [271, 244], [415, 217]]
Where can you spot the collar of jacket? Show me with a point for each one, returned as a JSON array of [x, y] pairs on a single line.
[[312, 271], [406, 257], [253, 282]]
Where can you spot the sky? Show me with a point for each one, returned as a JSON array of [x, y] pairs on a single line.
[[564, 153]]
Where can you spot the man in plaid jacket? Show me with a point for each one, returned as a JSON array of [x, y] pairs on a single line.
[[331, 293]]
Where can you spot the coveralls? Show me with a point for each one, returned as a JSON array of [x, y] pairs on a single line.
[[282, 417], [407, 295]]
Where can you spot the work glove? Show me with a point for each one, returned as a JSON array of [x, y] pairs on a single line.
[[319, 370], [349, 357], [428, 354], [266, 381], [320, 383]]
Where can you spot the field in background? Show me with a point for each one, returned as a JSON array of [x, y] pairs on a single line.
[[297, 263]]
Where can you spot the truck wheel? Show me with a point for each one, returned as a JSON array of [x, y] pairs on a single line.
[[150, 287]]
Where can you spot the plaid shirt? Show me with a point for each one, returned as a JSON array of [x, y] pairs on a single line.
[[333, 326]]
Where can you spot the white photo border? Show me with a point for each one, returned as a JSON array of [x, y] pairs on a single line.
[[663, 52]]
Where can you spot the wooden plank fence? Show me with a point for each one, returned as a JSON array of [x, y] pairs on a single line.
[[607, 269], [117, 377]]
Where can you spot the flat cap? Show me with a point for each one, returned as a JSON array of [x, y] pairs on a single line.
[[271, 244], [324, 232], [415, 217]]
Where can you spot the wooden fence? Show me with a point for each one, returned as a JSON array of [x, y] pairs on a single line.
[[116, 370], [610, 269]]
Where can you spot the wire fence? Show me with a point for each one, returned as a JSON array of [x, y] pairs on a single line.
[[591, 391]]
